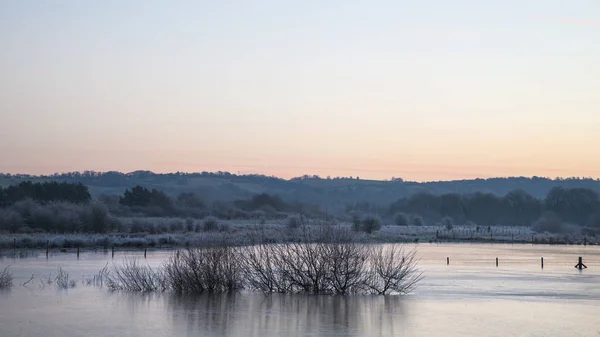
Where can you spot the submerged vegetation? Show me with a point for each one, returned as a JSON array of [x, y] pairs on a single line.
[[6, 279], [324, 268], [324, 262]]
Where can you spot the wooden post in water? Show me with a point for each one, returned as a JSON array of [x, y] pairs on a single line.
[[447, 261], [496, 262], [580, 264], [77, 252], [47, 247], [584, 241], [542, 262], [144, 253], [14, 247], [113, 252]]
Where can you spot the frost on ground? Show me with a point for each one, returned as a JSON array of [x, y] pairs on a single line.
[[249, 232]]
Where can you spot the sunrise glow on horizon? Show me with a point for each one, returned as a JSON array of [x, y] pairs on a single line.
[[425, 91]]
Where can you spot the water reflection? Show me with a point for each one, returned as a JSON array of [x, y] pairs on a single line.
[[275, 315]]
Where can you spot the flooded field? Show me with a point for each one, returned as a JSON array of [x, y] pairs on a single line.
[[468, 297]]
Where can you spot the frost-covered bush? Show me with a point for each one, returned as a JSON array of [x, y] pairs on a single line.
[[210, 224], [401, 219], [293, 221], [370, 223], [417, 220], [447, 222]]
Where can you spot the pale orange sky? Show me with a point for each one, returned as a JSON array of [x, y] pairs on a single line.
[[376, 89]]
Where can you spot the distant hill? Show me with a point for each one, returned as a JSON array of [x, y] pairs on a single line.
[[334, 192]]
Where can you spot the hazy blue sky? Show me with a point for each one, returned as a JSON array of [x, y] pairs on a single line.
[[424, 90]]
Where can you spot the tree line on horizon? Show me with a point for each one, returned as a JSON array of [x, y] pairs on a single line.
[[68, 207], [310, 189]]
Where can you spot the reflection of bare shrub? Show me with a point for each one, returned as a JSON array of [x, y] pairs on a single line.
[[392, 271], [6, 279]]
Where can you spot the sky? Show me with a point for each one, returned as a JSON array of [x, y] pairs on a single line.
[[423, 90]]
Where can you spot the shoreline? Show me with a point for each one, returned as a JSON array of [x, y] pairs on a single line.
[[244, 234]]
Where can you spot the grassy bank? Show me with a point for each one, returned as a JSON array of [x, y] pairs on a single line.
[[246, 232]]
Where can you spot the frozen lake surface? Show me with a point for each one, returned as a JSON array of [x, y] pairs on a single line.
[[469, 297]]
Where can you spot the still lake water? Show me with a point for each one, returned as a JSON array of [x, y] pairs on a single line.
[[470, 297]]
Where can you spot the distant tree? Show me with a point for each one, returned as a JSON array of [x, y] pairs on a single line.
[[142, 197], [575, 205], [401, 219], [521, 208], [45, 192], [210, 224], [417, 220], [447, 222], [191, 200], [294, 221], [549, 222], [370, 223]]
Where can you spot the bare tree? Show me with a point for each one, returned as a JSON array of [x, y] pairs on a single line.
[[132, 276], [392, 270], [347, 267]]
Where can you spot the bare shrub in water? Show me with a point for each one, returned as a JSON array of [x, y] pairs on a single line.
[[132, 276], [209, 269], [332, 265], [62, 280], [391, 270], [262, 269], [6, 278], [329, 268], [347, 267]]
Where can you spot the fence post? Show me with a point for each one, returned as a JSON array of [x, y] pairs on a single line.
[[496, 262], [542, 262], [447, 261], [47, 247], [144, 253], [113, 252], [580, 264], [14, 247], [77, 252]]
